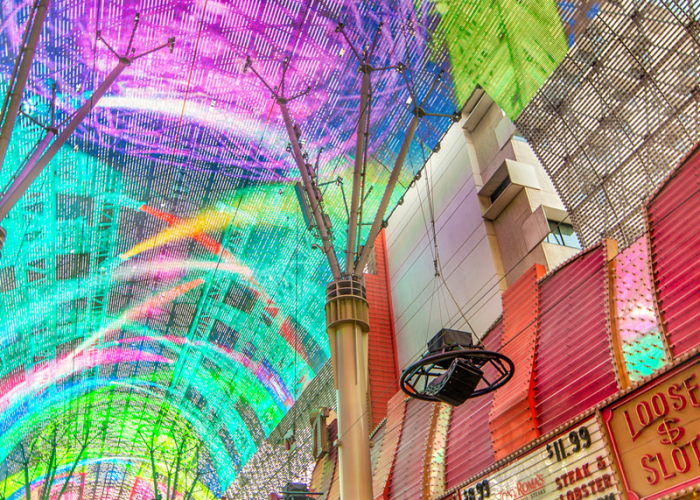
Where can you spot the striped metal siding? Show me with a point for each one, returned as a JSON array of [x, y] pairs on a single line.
[[469, 445], [513, 421], [407, 479], [575, 367], [383, 366], [377, 442], [329, 463], [672, 216], [392, 434], [317, 474]]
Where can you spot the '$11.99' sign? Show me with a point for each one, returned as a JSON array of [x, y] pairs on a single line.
[[480, 491], [579, 439]]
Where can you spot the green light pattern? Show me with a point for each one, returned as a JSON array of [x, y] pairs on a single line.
[[507, 47]]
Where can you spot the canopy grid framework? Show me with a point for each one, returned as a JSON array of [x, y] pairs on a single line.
[[619, 113], [161, 305]]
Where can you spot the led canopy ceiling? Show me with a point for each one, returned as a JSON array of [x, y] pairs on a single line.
[[161, 305]]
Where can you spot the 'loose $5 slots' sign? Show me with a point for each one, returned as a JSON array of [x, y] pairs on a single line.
[[655, 433]]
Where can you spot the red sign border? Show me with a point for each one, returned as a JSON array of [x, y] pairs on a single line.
[[607, 416]]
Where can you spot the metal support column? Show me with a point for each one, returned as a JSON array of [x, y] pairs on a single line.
[[347, 310], [315, 206], [366, 70], [347, 323], [22, 75]]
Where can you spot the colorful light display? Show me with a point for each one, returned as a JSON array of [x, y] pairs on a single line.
[[157, 276]]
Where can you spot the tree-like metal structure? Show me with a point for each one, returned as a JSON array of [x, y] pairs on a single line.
[[347, 313]]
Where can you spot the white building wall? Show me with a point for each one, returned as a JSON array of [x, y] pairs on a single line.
[[422, 302]]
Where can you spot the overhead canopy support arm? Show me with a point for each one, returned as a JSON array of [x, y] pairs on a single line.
[[21, 82], [418, 113], [357, 170], [309, 187], [38, 161], [386, 198], [311, 192], [41, 156]]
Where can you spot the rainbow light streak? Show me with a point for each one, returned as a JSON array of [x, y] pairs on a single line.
[[205, 240], [267, 376], [208, 220], [21, 387], [195, 229], [40, 377]]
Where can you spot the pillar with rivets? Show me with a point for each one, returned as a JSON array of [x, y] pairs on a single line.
[[347, 322]]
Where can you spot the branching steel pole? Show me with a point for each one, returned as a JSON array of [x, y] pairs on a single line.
[[72, 471], [315, 206], [386, 198], [35, 165], [366, 70], [21, 82], [27, 485], [155, 475]]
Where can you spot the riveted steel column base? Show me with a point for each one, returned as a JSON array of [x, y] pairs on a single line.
[[347, 321]]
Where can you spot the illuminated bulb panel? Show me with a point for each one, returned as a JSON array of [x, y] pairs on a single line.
[[637, 321]]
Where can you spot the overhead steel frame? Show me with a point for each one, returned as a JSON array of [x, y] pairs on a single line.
[[25, 57], [618, 113], [347, 309], [43, 153]]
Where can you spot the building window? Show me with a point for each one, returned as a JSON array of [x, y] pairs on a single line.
[[519, 137], [562, 234], [499, 190]]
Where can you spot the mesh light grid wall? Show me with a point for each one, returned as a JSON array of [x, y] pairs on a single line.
[[618, 113]]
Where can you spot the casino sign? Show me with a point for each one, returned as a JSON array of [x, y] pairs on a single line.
[[655, 434]]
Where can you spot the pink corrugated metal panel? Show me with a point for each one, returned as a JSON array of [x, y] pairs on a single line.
[[672, 216], [396, 410], [575, 367], [513, 421], [469, 445], [407, 479], [377, 441]]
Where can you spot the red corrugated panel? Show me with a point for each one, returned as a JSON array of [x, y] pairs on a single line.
[[392, 434], [407, 479], [575, 367], [672, 216], [317, 475], [383, 366], [513, 419], [469, 445]]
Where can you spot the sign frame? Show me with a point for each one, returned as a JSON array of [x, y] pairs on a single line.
[[608, 413]]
